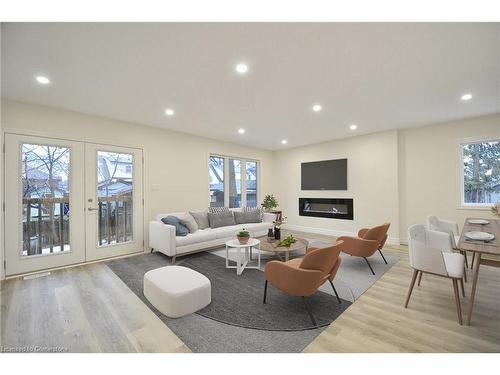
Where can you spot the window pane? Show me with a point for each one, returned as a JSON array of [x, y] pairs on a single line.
[[234, 183], [115, 196], [251, 184], [216, 164], [481, 162], [45, 179]]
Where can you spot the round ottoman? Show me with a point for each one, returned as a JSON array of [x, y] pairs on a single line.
[[177, 291]]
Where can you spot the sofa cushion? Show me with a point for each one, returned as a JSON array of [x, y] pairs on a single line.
[[247, 217], [227, 232], [180, 229], [256, 227], [202, 235], [188, 221], [221, 219], [216, 210], [201, 218]]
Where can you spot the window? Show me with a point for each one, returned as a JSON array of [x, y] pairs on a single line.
[[233, 182], [480, 171]]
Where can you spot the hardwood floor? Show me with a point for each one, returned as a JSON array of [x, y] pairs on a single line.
[[81, 309], [89, 309], [378, 321]]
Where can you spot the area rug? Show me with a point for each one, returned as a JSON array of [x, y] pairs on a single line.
[[206, 335]]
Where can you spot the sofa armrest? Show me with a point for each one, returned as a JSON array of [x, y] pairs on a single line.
[[162, 237], [268, 217]]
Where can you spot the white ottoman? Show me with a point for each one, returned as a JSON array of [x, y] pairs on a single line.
[[177, 291]]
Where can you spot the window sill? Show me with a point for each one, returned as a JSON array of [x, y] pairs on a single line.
[[476, 208]]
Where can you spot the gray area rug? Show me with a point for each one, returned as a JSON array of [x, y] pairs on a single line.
[[206, 335]]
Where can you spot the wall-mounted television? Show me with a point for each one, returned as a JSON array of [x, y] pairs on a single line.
[[324, 175]]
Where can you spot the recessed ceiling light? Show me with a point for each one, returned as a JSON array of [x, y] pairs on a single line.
[[317, 108], [353, 127], [169, 112], [284, 142], [241, 131], [466, 97], [43, 80], [241, 68]]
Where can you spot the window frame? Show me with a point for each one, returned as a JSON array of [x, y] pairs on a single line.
[[460, 173], [243, 171]]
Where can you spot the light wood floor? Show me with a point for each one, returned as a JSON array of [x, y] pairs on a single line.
[[81, 309], [378, 321], [88, 308]]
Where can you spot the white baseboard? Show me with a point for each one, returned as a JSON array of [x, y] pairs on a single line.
[[332, 232]]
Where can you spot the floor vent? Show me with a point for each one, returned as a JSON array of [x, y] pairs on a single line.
[[36, 275]]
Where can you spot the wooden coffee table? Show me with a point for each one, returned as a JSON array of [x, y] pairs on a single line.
[[272, 246]]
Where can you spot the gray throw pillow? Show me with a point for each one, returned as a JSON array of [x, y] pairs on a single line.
[[247, 217], [180, 230], [188, 221], [201, 218], [221, 219]]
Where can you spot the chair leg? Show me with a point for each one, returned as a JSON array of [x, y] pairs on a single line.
[[414, 277], [309, 311], [265, 292], [369, 265], [419, 278], [457, 300], [335, 291], [152, 250], [462, 287], [473, 258], [466, 261], [383, 257]]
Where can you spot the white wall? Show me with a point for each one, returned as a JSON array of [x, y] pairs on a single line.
[[429, 166], [372, 182], [176, 164]]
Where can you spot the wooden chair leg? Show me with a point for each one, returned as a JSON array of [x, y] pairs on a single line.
[[466, 261], [462, 287], [457, 300], [419, 277], [414, 277]]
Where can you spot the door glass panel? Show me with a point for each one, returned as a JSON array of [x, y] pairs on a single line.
[[216, 164], [251, 183], [45, 205], [115, 197], [234, 183]]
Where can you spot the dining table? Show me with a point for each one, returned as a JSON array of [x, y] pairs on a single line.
[[486, 252]]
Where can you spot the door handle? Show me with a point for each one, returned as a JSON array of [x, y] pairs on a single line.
[[92, 209]]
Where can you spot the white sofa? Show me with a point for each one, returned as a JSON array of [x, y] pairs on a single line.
[[162, 236]]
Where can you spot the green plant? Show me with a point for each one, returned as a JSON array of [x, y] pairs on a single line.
[[243, 233], [269, 202], [288, 241]]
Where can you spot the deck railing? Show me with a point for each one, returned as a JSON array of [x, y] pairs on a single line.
[[115, 219]]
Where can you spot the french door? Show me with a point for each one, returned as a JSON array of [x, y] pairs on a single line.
[[67, 202]]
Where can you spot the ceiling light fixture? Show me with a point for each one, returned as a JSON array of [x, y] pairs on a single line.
[[284, 142], [466, 97], [169, 112], [241, 68], [353, 127], [241, 131], [317, 108], [42, 80]]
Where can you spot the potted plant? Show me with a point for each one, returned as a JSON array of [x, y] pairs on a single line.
[[288, 241], [269, 203], [243, 236]]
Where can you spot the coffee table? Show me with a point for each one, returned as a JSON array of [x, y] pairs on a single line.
[[272, 246], [243, 252]]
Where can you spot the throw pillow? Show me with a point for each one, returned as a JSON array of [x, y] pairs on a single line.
[[221, 219], [180, 230], [188, 221], [247, 217], [201, 218], [254, 209], [215, 210]]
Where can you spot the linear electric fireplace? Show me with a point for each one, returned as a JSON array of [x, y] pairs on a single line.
[[333, 208]]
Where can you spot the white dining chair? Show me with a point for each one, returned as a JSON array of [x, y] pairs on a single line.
[[431, 252], [451, 227]]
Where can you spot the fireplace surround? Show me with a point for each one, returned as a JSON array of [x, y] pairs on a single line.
[[332, 208]]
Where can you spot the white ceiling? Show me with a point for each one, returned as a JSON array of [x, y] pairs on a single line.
[[378, 76]]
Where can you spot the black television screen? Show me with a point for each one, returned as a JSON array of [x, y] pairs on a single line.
[[324, 175]]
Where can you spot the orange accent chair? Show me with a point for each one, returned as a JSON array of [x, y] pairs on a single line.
[[369, 241], [303, 276]]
